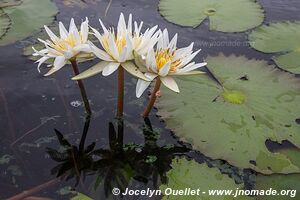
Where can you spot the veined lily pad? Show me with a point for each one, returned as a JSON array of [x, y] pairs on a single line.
[[27, 18], [256, 102], [5, 23], [280, 37], [224, 15], [190, 174], [288, 184]]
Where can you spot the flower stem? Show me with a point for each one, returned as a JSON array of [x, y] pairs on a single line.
[[152, 98], [81, 87], [120, 92]]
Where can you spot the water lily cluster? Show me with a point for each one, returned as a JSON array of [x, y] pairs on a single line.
[[148, 55]]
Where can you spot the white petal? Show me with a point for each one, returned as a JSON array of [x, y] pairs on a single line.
[[42, 52], [103, 27], [84, 30], [59, 62], [140, 61], [69, 54], [189, 58], [72, 26], [123, 54], [165, 69], [170, 83], [129, 26], [132, 69], [52, 36], [96, 69], [83, 48], [150, 76], [100, 53], [173, 43], [165, 39], [73, 30], [110, 68], [129, 46], [62, 31], [113, 47], [44, 42], [141, 86], [183, 52], [41, 61], [96, 33], [189, 73], [192, 67], [121, 25], [151, 62]]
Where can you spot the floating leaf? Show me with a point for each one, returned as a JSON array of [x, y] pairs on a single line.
[[257, 102], [27, 18], [81, 196], [224, 15], [289, 184], [280, 37], [79, 3], [9, 3], [5, 23], [292, 154], [190, 174]]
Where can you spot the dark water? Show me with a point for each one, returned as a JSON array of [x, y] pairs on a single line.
[[32, 105]]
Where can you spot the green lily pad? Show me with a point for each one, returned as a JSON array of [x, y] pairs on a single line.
[[223, 15], [290, 185], [79, 3], [9, 3], [190, 174], [80, 196], [256, 102], [27, 18], [5, 23], [292, 154], [279, 37]]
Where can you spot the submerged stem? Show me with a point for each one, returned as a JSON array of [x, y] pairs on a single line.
[[81, 87], [120, 92], [152, 98]]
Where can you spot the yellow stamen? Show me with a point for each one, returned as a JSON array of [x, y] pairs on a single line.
[[121, 43], [164, 56], [63, 44]]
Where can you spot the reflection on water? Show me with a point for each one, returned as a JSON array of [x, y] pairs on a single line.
[[116, 166]]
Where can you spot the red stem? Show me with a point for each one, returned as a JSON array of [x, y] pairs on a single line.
[[120, 92], [81, 87], [152, 98], [30, 192]]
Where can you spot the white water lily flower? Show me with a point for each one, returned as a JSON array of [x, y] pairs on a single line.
[[168, 61], [119, 48], [68, 46]]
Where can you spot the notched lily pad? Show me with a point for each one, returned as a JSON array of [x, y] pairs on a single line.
[[27, 18], [279, 37], [190, 174], [223, 15], [255, 103], [288, 184]]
